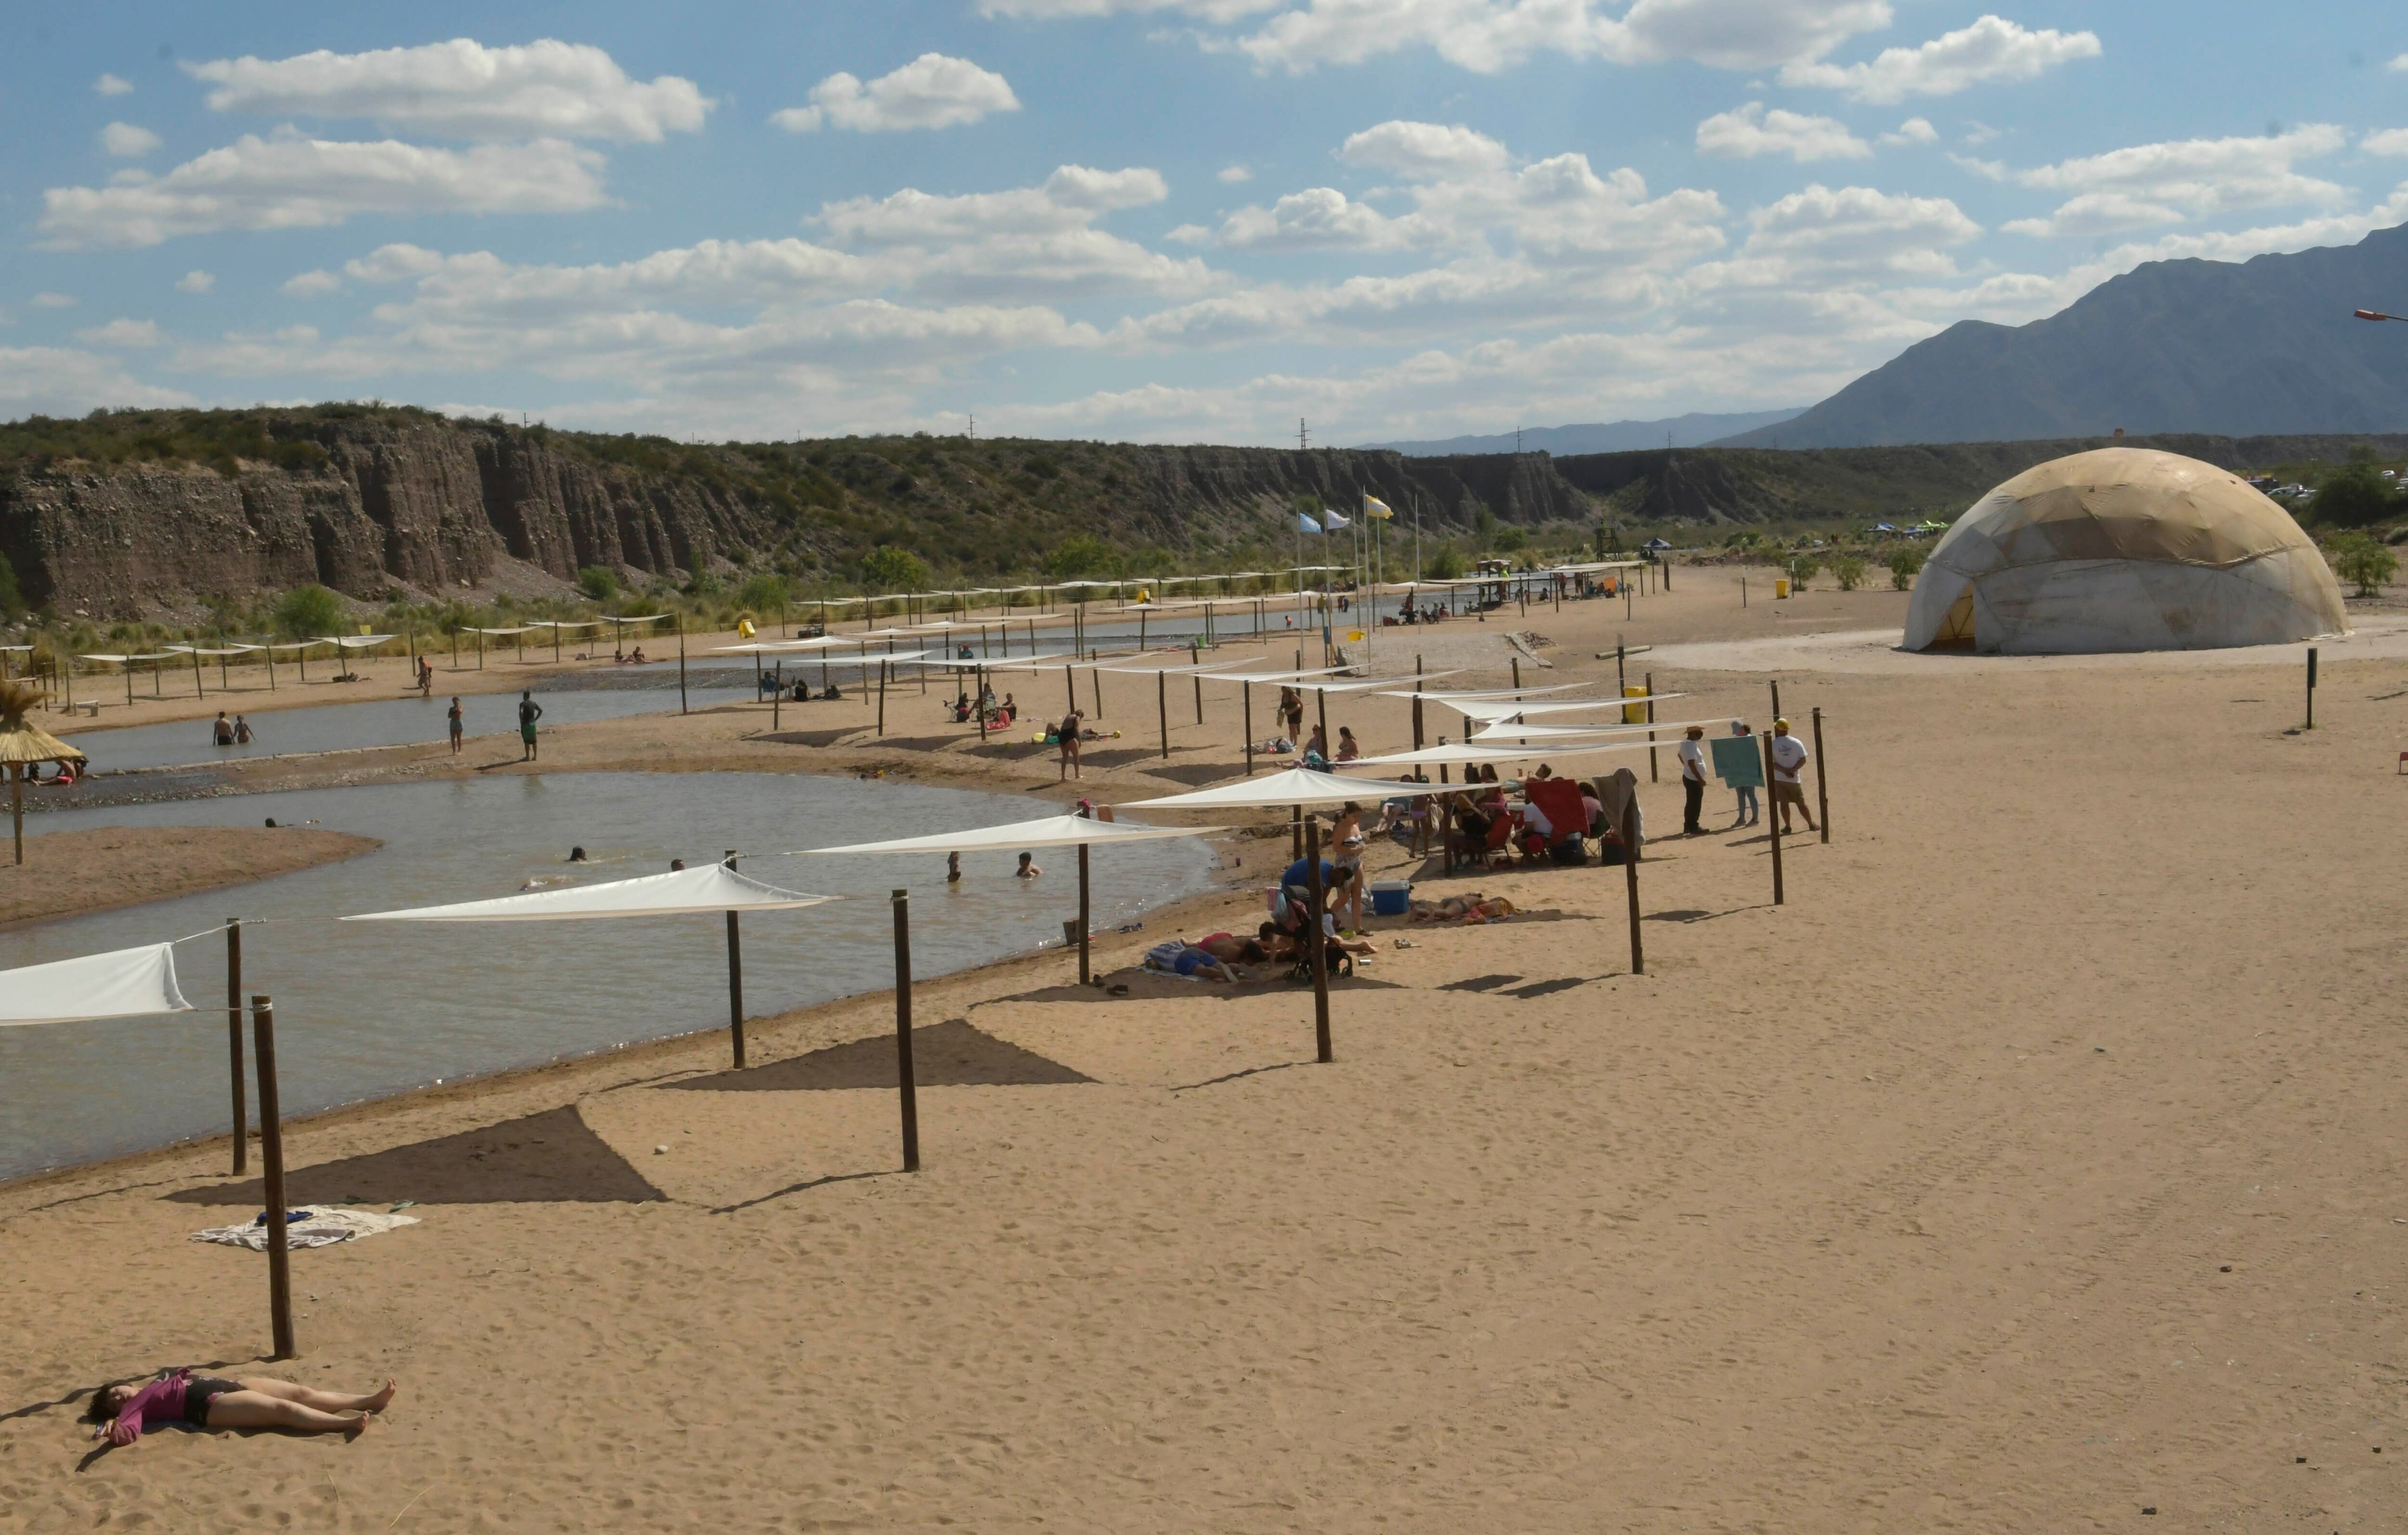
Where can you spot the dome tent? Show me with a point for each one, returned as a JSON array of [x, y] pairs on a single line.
[[2122, 549]]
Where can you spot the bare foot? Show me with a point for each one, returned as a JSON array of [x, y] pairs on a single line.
[[356, 1427], [382, 1399]]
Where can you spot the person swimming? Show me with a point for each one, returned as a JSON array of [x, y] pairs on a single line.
[[577, 855]]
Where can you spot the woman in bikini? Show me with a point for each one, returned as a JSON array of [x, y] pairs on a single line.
[[120, 1413]]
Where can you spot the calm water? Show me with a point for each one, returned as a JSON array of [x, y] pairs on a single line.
[[370, 1008]]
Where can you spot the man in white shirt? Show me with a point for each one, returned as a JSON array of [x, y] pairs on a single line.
[[1693, 781], [1788, 761]]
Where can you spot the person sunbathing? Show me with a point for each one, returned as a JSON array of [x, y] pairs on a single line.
[[1469, 910], [123, 1412], [1186, 960]]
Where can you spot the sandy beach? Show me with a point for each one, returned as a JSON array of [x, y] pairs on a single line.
[[67, 873], [2034, 1166]]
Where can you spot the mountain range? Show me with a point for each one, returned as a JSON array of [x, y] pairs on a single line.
[[1606, 437], [2257, 347]]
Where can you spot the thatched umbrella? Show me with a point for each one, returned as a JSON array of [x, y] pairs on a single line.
[[22, 742]]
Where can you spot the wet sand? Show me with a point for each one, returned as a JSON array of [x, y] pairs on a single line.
[[2036, 1164], [68, 873]]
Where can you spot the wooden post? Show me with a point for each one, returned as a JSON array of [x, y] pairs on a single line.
[[1776, 699], [2312, 700], [1296, 831], [1822, 793], [1194, 658], [1517, 671], [234, 1039], [1621, 678], [978, 701], [1631, 881], [1417, 703], [735, 981], [1771, 817], [17, 807], [1321, 707], [1313, 938], [271, 1156], [455, 659], [1083, 970], [777, 699], [1650, 684], [1162, 711], [908, 1093], [197, 671], [1070, 685], [680, 619], [1246, 696], [882, 698]]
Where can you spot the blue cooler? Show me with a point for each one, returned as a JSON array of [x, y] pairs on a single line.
[[1390, 897]]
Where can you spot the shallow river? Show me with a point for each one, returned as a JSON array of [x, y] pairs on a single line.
[[370, 1008]]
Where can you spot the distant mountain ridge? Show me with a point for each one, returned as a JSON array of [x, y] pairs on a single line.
[[1693, 430], [2262, 347]]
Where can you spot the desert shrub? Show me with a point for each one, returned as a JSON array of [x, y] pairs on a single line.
[[1848, 571], [1079, 554], [887, 568], [308, 612], [598, 581], [1904, 566], [2355, 495], [1445, 563], [2364, 561], [766, 592]]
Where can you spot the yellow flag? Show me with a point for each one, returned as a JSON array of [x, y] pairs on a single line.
[[1374, 506]]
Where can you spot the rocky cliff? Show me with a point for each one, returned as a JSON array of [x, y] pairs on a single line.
[[132, 513]]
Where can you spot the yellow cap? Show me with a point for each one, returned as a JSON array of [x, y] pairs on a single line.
[[1781, 724]]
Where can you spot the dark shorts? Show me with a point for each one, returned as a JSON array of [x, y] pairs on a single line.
[[199, 1391]]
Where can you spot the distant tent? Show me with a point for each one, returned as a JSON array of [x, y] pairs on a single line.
[[2122, 549]]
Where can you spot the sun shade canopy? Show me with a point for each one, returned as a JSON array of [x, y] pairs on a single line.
[[713, 887], [1495, 750], [361, 642], [1506, 709], [2122, 549], [1052, 831], [121, 983], [1501, 729], [1487, 696], [1296, 786]]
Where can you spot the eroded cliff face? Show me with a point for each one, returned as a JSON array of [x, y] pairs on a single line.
[[429, 504]]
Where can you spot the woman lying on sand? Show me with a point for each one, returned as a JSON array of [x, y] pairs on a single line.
[[1468, 910], [122, 1412]]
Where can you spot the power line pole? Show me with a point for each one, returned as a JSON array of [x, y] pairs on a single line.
[[1517, 442], [1302, 443], [972, 433]]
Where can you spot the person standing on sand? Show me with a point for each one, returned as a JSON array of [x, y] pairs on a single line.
[[529, 711], [1750, 813], [1693, 781], [1789, 756], [1068, 737], [453, 715]]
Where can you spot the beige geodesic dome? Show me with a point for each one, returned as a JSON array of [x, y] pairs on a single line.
[[2122, 549]]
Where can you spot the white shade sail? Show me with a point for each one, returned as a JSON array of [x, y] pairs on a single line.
[[712, 887], [1488, 695], [361, 642], [1032, 662], [201, 650], [1500, 729], [1431, 756], [1052, 831], [121, 983], [1294, 786], [1506, 709], [1174, 670]]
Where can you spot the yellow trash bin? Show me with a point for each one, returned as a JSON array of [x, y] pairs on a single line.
[[1634, 713], [1781, 586]]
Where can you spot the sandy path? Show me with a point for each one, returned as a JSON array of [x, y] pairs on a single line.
[[67, 873], [1907, 1205]]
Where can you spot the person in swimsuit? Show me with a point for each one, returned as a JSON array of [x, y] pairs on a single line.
[[455, 717], [120, 1413], [529, 711], [1068, 733], [242, 735], [223, 732]]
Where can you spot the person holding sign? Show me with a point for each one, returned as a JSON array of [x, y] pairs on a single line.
[[1738, 763], [1789, 756]]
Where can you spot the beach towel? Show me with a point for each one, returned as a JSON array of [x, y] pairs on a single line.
[[1614, 793], [312, 1229]]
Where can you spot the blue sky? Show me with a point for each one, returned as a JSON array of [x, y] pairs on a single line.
[[1157, 220]]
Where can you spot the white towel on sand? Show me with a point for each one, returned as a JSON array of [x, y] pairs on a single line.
[[319, 1229]]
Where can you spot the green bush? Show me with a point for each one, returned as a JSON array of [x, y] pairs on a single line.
[[2354, 497], [764, 594], [1848, 571], [307, 612], [1079, 554], [598, 581], [1802, 568], [1445, 563], [887, 568], [2364, 561], [1904, 566]]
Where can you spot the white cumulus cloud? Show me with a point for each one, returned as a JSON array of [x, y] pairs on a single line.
[[313, 284], [1229, 176], [64, 382], [55, 301], [1991, 48], [289, 182], [1747, 132], [932, 91], [126, 140], [110, 85], [1913, 131], [196, 282], [1423, 151], [2390, 141], [2152, 185], [462, 88], [123, 333]]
